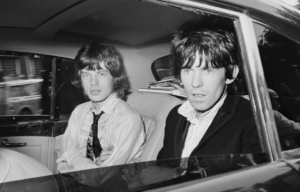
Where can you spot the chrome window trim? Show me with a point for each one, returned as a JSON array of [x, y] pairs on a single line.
[[259, 91], [252, 68]]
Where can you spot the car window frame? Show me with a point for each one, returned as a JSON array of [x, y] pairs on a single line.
[[252, 68], [53, 114]]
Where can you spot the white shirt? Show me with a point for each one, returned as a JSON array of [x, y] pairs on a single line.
[[199, 125], [120, 126]]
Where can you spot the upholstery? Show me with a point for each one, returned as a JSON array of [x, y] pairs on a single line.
[[154, 108]]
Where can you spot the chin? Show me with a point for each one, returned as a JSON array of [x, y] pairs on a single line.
[[199, 107], [96, 99]]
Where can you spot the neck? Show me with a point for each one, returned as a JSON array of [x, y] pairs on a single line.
[[97, 105]]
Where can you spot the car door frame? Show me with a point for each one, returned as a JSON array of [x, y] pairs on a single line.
[[252, 67]]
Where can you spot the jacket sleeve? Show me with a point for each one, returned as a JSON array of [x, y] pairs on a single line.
[[250, 141]]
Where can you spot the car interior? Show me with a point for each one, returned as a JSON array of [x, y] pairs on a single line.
[[39, 41]]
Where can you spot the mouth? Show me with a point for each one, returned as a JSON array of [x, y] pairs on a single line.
[[198, 95], [95, 92]]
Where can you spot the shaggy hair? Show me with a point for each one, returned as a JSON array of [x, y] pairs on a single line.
[[215, 46], [90, 56]]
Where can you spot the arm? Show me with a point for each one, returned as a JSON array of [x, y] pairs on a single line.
[[72, 159], [128, 137], [286, 128], [250, 139]]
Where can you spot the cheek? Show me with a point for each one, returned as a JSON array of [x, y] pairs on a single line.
[[84, 83], [186, 81], [108, 82]]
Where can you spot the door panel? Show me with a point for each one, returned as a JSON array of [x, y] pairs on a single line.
[[37, 147]]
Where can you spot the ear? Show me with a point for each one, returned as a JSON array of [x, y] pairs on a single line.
[[235, 72]]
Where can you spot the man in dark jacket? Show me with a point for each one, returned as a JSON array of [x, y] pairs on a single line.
[[213, 121]]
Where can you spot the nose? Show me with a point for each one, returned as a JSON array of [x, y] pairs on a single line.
[[94, 80], [197, 80]]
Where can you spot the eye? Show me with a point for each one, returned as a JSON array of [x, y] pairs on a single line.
[[209, 70], [102, 73], [84, 75], [187, 71]]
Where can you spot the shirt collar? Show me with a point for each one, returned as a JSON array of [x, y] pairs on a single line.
[[187, 110], [108, 107]]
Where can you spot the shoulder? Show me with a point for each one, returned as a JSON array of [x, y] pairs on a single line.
[[79, 109], [244, 105], [82, 106], [242, 112], [174, 117], [124, 109], [236, 104], [174, 111]]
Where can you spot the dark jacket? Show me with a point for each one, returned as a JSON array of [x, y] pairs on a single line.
[[233, 130]]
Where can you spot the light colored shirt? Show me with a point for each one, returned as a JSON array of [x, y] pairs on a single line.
[[198, 126], [120, 126]]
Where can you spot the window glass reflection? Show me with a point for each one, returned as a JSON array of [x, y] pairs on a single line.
[[68, 96], [281, 63], [155, 174], [22, 84]]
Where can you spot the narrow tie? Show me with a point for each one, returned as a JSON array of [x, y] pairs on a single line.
[[94, 148]]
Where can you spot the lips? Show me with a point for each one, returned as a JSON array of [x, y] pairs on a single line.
[[95, 92], [198, 94]]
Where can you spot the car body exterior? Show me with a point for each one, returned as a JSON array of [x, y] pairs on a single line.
[[23, 97], [256, 24]]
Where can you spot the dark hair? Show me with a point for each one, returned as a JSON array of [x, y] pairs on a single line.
[[218, 46], [90, 56]]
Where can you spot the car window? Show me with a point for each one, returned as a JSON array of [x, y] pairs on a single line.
[[163, 69], [68, 96], [280, 58], [32, 89], [15, 92], [23, 89]]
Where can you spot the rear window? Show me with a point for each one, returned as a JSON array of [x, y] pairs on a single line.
[[15, 91]]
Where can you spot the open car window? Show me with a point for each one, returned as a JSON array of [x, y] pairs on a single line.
[[280, 58]]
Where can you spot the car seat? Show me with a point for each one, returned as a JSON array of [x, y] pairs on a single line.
[[154, 109]]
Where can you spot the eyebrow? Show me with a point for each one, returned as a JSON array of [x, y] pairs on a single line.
[[100, 70]]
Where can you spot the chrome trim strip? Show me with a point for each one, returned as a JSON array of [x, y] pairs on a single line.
[[53, 92], [259, 90]]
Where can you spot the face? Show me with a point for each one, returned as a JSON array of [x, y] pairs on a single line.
[[203, 85], [98, 85]]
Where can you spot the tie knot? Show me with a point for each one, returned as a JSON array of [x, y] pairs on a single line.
[[97, 117]]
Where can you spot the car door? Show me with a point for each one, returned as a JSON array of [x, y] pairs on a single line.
[[21, 129], [41, 114]]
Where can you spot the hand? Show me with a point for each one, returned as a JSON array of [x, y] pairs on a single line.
[[153, 174], [64, 167], [130, 170], [105, 154]]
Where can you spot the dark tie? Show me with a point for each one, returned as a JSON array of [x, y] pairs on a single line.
[[94, 148]]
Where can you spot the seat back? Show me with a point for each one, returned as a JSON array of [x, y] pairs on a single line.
[[154, 108]]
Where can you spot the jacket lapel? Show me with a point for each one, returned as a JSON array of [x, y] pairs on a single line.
[[180, 135], [224, 114]]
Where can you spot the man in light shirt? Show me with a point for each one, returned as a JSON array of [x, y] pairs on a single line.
[[214, 120], [118, 135]]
